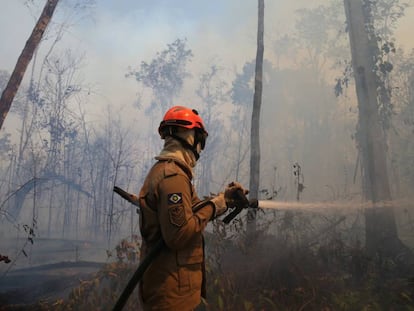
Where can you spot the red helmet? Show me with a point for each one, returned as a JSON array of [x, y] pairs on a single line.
[[182, 117]]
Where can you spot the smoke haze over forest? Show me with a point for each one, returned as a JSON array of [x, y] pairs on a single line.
[[108, 119], [113, 39], [116, 36]]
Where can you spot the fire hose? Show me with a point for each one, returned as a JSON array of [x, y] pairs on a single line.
[[237, 202]]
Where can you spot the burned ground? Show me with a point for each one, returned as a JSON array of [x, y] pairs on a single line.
[[295, 261]]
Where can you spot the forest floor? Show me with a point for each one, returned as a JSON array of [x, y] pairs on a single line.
[[277, 272], [47, 283], [46, 270]]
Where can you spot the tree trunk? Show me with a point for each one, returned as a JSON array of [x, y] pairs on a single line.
[[255, 126], [24, 59], [381, 230]]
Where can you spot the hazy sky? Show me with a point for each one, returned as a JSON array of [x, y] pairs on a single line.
[[122, 33]]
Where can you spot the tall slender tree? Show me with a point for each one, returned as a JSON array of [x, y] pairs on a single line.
[[24, 59], [212, 93], [255, 126]]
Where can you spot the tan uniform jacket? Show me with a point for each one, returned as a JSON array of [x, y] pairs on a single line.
[[174, 280]]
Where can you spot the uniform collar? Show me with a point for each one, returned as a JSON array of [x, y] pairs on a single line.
[[173, 150]]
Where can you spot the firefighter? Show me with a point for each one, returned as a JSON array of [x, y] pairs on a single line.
[[175, 280]]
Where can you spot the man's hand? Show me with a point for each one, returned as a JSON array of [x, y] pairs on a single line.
[[220, 206], [234, 194]]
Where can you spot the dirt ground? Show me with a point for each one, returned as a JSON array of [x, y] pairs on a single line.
[[43, 283]]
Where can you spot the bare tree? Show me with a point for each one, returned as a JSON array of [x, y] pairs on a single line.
[[25, 58], [211, 91], [255, 126]]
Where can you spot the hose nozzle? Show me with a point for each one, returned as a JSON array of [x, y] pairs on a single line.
[[239, 202]]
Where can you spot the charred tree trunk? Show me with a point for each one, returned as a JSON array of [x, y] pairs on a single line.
[[25, 58], [255, 126], [381, 230]]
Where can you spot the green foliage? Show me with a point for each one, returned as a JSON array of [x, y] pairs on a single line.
[[342, 82], [320, 31], [165, 74], [382, 17], [386, 14], [401, 143], [242, 90]]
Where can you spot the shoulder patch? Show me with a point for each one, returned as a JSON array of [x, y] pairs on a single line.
[[175, 198], [177, 215]]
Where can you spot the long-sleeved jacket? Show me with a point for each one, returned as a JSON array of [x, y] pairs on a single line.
[[175, 279]]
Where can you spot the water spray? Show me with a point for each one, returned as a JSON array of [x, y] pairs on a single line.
[[316, 206], [241, 202]]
